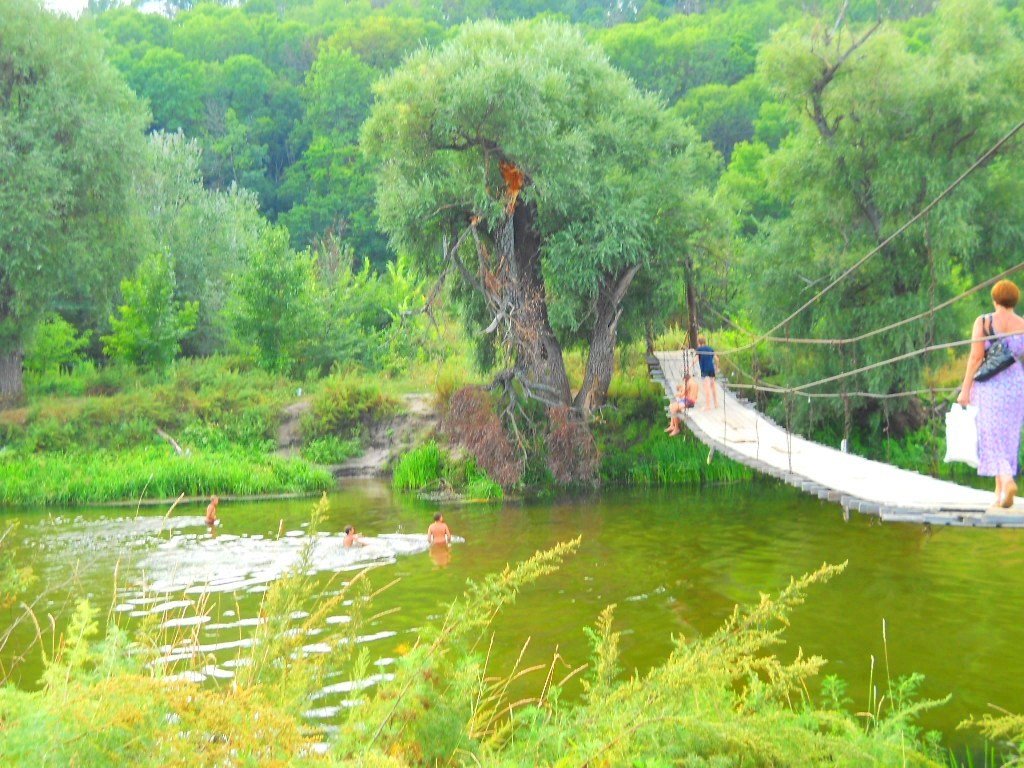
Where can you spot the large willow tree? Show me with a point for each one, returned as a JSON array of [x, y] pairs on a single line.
[[71, 138], [519, 158]]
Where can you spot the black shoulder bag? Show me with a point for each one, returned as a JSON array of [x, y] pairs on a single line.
[[997, 357]]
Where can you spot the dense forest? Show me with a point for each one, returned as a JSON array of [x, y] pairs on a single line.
[[302, 184], [240, 240]]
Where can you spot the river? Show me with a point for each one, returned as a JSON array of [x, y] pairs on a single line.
[[674, 561]]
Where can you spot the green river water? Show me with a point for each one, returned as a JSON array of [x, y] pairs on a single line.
[[674, 561]]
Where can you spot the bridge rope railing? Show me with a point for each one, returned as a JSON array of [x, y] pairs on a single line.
[[788, 392], [868, 334], [801, 388], [982, 160]]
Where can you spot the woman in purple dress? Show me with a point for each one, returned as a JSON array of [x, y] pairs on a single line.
[[1000, 399]]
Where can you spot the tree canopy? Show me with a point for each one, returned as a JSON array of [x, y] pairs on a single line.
[[70, 143], [520, 150]]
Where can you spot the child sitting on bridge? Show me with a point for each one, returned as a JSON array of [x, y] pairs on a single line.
[[686, 397]]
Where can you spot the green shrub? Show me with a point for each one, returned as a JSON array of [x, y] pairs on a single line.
[[149, 326], [275, 310], [331, 449], [55, 347], [345, 406], [479, 485]]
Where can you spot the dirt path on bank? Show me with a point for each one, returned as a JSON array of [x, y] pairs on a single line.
[[388, 438], [289, 434], [392, 437]]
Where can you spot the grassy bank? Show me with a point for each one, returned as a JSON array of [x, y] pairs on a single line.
[[629, 433], [95, 436], [431, 469], [82, 478]]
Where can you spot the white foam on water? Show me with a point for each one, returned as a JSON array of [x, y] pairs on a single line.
[[253, 622], [211, 670], [348, 686], [321, 713], [171, 658], [189, 676], [375, 636], [192, 649], [198, 564], [317, 648], [184, 621], [170, 606]]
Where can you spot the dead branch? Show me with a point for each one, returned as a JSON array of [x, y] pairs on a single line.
[[171, 440]]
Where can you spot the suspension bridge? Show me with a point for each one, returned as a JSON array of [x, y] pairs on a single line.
[[737, 430]]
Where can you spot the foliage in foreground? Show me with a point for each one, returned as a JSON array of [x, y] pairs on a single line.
[[720, 700], [153, 473]]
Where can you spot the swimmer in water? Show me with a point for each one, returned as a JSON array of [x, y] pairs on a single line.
[[211, 512], [438, 532], [353, 538]]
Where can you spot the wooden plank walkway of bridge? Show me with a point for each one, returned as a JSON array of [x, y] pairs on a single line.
[[735, 429]]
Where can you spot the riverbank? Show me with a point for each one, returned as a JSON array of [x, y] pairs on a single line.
[[209, 426]]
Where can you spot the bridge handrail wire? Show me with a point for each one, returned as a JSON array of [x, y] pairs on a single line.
[[801, 388], [867, 335]]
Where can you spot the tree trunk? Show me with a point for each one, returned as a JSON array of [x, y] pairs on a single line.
[[601, 359], [691, 302], [538, 353], [11, 386]]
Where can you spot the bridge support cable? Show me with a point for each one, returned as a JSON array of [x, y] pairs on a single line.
[[869, 334], [982, 160]]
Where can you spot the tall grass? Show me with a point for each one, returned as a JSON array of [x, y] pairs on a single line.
[[429, 468], [636, 451], [419, 469], [152, 473], [683, 460]]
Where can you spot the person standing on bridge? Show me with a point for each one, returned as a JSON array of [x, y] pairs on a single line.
[[1000, 399], [707, 358]]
